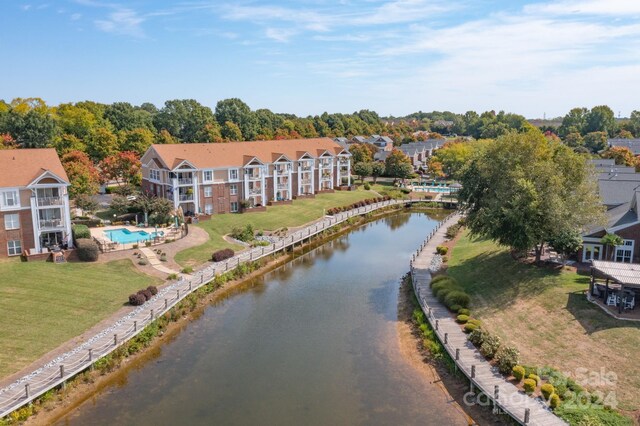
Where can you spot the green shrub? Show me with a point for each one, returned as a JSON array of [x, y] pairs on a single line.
[[137, 299], [442, 250], [490, 346], [535, 377], [455, 308], [554, 401], [439, 278], [80, 231], [518, 373], [547, 390], [147, 243], [452, 231], [470, 327], [143, 262], [135, 246], [153, 289], [367, 186], [187, 270], [457, 297], [477, 336], [462, 319], [507, 357], [221, 255], [529, 386], [464, 311], [87, 250], [173, 276], [245, 234], [475, 321], [442, 293], [445, 259]]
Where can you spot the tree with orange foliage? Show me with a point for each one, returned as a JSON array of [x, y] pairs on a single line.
[[123, 167], [622, 156], [83, 174]]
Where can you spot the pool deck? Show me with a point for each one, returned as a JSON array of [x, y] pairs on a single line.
[[99, 234]]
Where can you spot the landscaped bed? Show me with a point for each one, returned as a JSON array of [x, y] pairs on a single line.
[[544, 313], [44, 304]]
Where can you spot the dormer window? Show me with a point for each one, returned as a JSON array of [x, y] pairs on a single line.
[[233, 174], [207, 176], [10, 199]]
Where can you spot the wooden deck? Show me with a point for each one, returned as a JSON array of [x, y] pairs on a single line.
[[506, 396]]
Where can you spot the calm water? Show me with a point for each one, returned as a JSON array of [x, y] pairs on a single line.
[[312, 343]]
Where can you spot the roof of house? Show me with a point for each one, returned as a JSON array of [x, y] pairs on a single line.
[[616, 192], [20, 167], [632, 144], [381, 155], [624, 273], [234, 154], [619, 176], [615, 169], [602, 162]]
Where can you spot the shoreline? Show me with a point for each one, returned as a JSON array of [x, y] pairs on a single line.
[[90, 383]]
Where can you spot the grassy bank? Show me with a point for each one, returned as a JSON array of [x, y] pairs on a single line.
[[545, 314], [276, 217], [44, 304]]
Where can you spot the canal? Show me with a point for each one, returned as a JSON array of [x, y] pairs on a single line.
[[314, 342]]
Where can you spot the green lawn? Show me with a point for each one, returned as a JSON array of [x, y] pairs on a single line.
[[545, 314], [276, 217], [44, 304]]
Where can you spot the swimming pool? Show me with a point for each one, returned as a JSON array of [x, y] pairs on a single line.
[[124, 236]]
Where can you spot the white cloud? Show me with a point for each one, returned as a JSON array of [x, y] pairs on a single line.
[[587, 7], [75, 16], [26, 7], [122, 21], [281, 35]]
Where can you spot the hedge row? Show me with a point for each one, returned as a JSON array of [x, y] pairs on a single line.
[[335, 210], [223, 254], [87, 250], [143, 295]]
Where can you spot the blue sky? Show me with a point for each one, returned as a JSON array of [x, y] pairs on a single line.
[[307, 57]]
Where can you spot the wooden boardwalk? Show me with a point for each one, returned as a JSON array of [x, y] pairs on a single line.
[[522, 408], [67, 365]]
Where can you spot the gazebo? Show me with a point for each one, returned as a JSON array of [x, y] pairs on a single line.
[[625, 275]]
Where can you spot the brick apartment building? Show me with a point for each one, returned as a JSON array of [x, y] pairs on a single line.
[[34, 203], [222, 177]]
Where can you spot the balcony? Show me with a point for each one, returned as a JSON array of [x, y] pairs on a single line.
[[49, 201], [185, 181], [185, 197], [50, 223], [326, 175], [305, 181], [255, 191], [305, 168], [283, 186]]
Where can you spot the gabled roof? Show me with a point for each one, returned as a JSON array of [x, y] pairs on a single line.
[[20, 167], [632, 144], [220, 155], [616, 192]]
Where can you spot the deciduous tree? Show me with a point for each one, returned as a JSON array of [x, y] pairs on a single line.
[[122, 167], [398, 165], [377, 169], [82, 172], [362, 170], [622, 156]]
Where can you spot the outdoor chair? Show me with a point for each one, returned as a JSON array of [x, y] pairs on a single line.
[[612, 300], [629, 302]]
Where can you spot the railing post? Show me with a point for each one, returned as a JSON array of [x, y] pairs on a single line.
[[61, 371], [166, 303], [473, 371], [90, 355], [152, 314], [135, 328], [496, 392], [115, 339], [457, 354], [177, 294], [26, 390], [437, 322], [527, 413], [189, 285], [202, 278], [446, 338]]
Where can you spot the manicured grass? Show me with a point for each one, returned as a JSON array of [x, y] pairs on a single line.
[[43, 304], [545, 314], [276, 217]]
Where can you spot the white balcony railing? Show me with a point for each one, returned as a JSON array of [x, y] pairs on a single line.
[[255, 191], [50, 223], [283, 186], [306, 181], [49, 201], [185, 197], [185, 181]]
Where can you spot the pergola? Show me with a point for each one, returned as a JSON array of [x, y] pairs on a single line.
[[627, 275]]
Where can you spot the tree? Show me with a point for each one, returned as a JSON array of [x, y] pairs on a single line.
[[86, 203], [377, 169], [362, 152], [622, 156], [610, 241], [600, 119], [120, 204], [231, 132], [453, 156], [136, 140], [32, 129], [124, 116], [184, 119], [82, 172], [566, 242], [101, 143], [398, 165], [435, 168], [596, 141], [523, 190], [7, 142], [122, 167], [574, 122], [574, 140], [362, 170], [235, 111]]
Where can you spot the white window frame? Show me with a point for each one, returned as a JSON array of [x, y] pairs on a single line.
[[233, 189], [15, 198], [204, 175], [208, 208], [234, 175], [14, 223], [154, 174], [626, 252], [14, 249], [589, 248], [234, 207], [208, 191]]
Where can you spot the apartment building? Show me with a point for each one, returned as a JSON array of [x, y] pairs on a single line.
[[34, 202], [222, 177]]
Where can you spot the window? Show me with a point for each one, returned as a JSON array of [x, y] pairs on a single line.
[[208, 208], [624, 252], [10, 199], [11, 221], [207, 176], [234, 207], [233, 174], [207, 191], [14, 247], [233, 189], [154, 174]]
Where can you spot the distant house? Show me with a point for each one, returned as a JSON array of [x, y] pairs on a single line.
[[419, 152], [34, 202], [619, 189], [382, 143], [632, 144]]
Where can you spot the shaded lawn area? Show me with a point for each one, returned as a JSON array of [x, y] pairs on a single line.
[[43, 305], [545, 314], [296, 214]]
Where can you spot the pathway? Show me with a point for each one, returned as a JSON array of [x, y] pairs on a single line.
[[469, 360], [155, 262]]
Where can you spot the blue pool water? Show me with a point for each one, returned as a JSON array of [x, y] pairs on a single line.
[[124, 236]]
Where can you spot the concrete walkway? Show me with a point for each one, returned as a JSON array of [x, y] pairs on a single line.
[[155, 262], [469, 360]]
